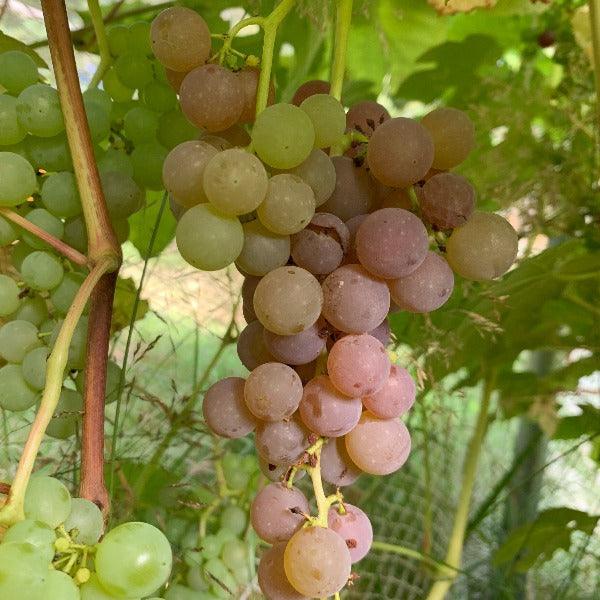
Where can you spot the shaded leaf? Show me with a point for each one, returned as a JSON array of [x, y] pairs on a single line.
[[123, 305]]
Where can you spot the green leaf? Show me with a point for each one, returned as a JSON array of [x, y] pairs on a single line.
[[572, 428], [143, 223], [8, 43], [123, 305]]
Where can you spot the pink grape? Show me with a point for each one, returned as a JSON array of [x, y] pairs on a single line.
[[271, 576], [251, 346], [225, 411], [353, 224], [248, 287], [337, 467], [382, 332], [276, 472], [354, 527], [282, 442], [395, 398], [306, 372], [298, 349]]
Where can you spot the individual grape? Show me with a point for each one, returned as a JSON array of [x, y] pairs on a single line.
[[17, 71], [8, 233], [119, 39], [248, 78], [298, 349], [317, 562], [180, 592], [273, 392], [355, 529], [114, 374], [211, 97], [46, 221], [60, 195], [16, 339], [115, 160], [353, 300], [288, 300], [326, 411], [86, 518], [176, 209], [180, 38], [75, 234], [391, 243], [272, 578], [133, 559], [318, 171], [93, 590], [33, 310], [366, 116], [389, 197], [133, 69], [283, 136], [234, 554], [118, 91], [207, 239], [19, 253], [484, 248], [63, 295], [22, 569], [236, 476], [147, 160], [353, 193], [140, 124], [11, 130], [248, 288], [174, 128], [17, 179], [42, 271], [122, 194], [77, 349], [9, 296], [353, 224], [98, 96], [328, 118], [50, 154], [175, 78], [223, 584], [225, 411], [453, 136], [337, 467], [234, 519], [321, 246], [34, 367], [358, 365], [306, 372], [425, 289], [276, 472], [395, 398], [251, 347], [400, 152], [288, 206], [139, 34], [98, 121], [36, 533], [47, 500], [66, 416], [15, 394], [236, 135], [281, 443], [378, 446], [38, 108], [310, 88], [263, 250], [183, 171], [447, 200], [61, 586], [278, 512], [235, 181], [159, 97]]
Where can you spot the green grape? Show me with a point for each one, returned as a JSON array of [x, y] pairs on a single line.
[[93, 590], [8, 233], [133, 559], [225, 584], [115, 160], [283, 136], [147, 160], [75, 234], [98, 96], [86, 518], [180, 592], [328, 118], [139, 37], [208, 240], [67, 415], [50, 154], [113, 381], [17, 71], [119, 39], [33, 367], [234, 519], [46, 221], [76, 359], [33, 310], [236, 477], [39, 111], [17, 179], [47, 329], [15, 394], [196, 580], [60, 586], [36, 533], [98, 120], [119, 110], [224, 535], [112, 84], [193, 558], [211, 547], [174, 129], [234, 554], [134, 70], [11, 131], [249, 464], [63, 295], [9, 296], [16, 339], [159, 97], [22, 567], [140, 125], [20, 252], [123, 196], [60, 195], [41, 270], [47, 500]]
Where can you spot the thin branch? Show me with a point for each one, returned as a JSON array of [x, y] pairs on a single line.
[[101, 39]]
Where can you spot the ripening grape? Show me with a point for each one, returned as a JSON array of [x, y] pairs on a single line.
[[234, 136], [382, 332], [46, 221], [16, 339], [60, 195], [47, 500], [391, 243], [400, 152], [133, 559], [298, 349], [180, 38], [147, 160], [211, 97], [354, 527], [175, 78], [425, 289], [17, 71], [225, 410], [283, 136], [248, 288], [395, 398], [447, 200], [358, 365], [281, 443], [140, 124], [318, 171], [38, 108], [309, 88], [207, 239], [288, 300], [235, 181], [326, 411], [378, 446], [353, 300], [123, 196], [251, 347], [317, 562], [453, 136], [67, 415], [9, 296], [36, 533], [353, 192], [51, 154], [263, 250], [11, 131], [273, 392], [277, 512], [33, 367], [42, 271], [288, 206], [337, 467], [272, 578], [248, 78], [328, 118], [87, 521], [17, 179], [276, 472], [366, 116], [484, 248]]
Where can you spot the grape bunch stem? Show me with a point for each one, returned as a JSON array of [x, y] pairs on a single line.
[[101, 40]]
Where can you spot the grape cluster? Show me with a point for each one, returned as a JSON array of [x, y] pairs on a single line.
[[55, 553]]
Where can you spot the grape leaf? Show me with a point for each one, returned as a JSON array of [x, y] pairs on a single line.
[[143, 223], [573, 427], [123, 304]]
